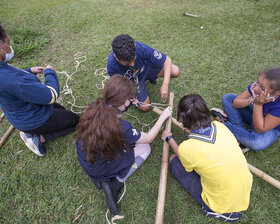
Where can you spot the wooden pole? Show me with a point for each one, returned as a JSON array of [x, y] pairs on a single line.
[[264, 176], [253, 169], [6, 135], [2, 116], [164, 169]]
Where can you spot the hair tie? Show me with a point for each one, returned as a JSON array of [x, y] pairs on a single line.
[[194, 100]]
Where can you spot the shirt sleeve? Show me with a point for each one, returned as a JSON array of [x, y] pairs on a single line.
[[130, 134], [154, 57], [34, 91], [249, 88], [112, 65], [29, 70]]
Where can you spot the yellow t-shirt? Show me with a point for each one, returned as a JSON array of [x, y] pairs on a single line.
[[225, 177]]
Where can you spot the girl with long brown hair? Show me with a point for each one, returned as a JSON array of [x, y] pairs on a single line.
[[109, 148]]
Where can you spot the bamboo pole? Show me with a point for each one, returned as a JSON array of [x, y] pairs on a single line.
[[164, 169], [264, 176], [252, 169], [2, 116], [6, 135]]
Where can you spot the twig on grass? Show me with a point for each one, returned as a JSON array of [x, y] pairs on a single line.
[[188, 14]]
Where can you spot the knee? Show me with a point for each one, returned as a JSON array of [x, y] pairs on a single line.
[[144, 108], [228, 97], [175, 72], [148, 149]]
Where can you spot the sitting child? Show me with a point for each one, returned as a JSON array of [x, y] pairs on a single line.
[[109, 148], [210, 164], [259, 107]]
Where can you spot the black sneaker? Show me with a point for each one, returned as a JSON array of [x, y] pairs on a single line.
[[219, 115], [111, 190], [153, 81]]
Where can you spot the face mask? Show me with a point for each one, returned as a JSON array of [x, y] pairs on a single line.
[[10, 55], [128, 106]]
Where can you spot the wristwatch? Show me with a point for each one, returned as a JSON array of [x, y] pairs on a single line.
[[168, 138]]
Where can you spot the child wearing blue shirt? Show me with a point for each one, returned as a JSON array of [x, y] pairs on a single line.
[[30, 105], [109, 148], [259, 107], [139, 63]]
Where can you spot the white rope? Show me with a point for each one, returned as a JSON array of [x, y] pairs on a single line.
[[79, 58], [116, 217]]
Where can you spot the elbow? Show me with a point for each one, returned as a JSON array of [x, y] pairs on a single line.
[[259, 130]]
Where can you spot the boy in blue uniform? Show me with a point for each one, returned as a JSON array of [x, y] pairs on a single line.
[[139, 63]]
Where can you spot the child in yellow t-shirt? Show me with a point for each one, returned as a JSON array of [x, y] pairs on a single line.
[[210, 164]]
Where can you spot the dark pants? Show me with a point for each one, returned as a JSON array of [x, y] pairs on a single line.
[[62, 122], [190, 181]]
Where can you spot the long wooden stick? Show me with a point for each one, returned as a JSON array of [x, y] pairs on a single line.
[[6, 135], [2, 116], [264, 176], [164, 169], [253, 169]]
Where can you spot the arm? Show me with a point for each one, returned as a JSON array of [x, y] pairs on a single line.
[[38, 93], [263, 123], [166, 77], [242, 100], [150, 136], [35, 70], [171, 142]]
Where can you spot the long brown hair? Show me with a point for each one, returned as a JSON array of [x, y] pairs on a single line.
[[99, 127]]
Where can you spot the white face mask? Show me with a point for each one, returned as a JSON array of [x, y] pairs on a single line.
[[10, 55]]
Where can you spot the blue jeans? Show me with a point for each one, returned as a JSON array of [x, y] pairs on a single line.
[[249, 138]]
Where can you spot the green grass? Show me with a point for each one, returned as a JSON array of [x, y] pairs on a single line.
[[239, 39]]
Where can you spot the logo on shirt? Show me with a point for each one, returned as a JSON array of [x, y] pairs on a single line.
[[157, 55], [135, 132]]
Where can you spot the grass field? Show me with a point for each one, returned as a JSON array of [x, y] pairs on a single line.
[[239, 39]]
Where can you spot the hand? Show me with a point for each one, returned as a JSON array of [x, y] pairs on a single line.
[[37, 70], [164, 92], [51, 67], [167, 112], [165, 134], [253, 89], [263, 98]]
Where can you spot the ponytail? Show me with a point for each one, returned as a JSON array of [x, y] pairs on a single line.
[[100, 131]]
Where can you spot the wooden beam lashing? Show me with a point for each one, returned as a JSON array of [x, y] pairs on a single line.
[[164, 169]]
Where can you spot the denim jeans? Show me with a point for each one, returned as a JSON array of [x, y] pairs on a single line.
[[249, 138]]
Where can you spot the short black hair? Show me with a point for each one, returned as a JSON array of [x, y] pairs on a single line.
[[124, 47], [3, 33], [193, 112]]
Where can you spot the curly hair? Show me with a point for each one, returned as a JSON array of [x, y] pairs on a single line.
[[193, 112], [99, 127], [273, 75], [124, 48]]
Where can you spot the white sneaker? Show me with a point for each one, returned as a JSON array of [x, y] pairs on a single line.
[[24, 136], [35, 145]]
